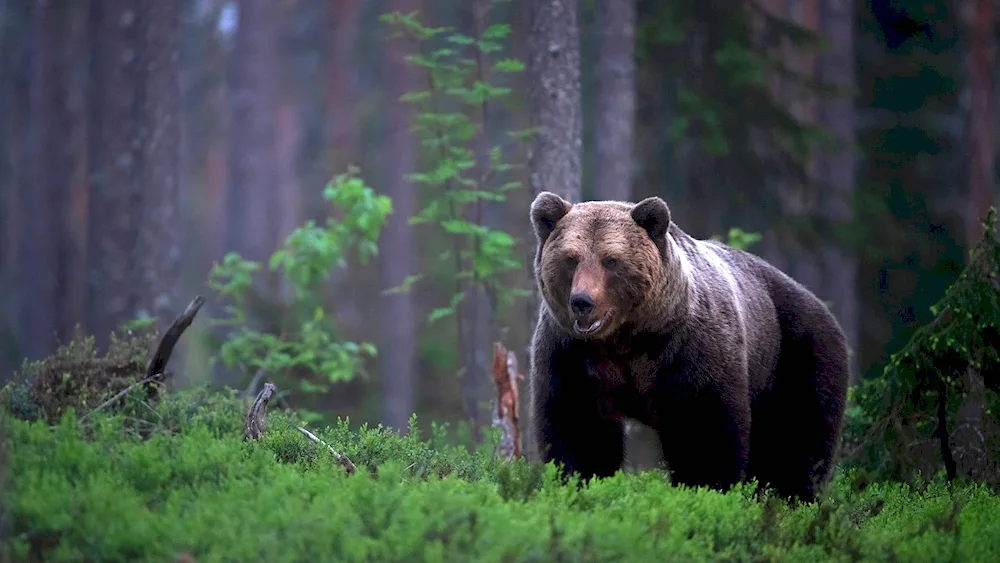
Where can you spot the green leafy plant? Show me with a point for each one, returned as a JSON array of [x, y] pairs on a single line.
[[905, 420], [461, 178], [306, 339], [738, 238]]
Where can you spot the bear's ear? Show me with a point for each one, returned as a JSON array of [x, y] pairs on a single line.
[[546, 211], [653, 215]]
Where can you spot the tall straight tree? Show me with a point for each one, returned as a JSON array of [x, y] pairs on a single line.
[[41, 197], [837, 169], [397, 346], [133, 251], [981, 127], [554, 72], [344, 125], [615, 77], [157, 266], [253, 94]]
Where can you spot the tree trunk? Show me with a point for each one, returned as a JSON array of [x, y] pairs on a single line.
[[115, 164], [980, 21], [342, 94], [840, 262], [157, 250], [478, 324], [615, 99], [15, 43], [344, 125], [133, 251], [41, 201], [397, 346], [554, 68], [252, 87]]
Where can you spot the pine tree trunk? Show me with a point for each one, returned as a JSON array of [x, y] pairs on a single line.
[[397, 345], [615, 99], [837, 169]]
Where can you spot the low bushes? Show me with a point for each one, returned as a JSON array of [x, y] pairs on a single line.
[[186, 486]]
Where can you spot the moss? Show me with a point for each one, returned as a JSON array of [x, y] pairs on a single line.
[[77, 377]]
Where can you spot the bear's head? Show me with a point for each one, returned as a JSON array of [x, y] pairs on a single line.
[[599, 264]]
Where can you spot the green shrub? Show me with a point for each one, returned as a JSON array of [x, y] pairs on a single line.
[[193, 486]]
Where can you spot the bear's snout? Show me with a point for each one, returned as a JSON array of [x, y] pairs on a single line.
[[581, 304]]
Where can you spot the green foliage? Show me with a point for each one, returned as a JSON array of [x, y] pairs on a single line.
[[738, 238], [450, 123], [896, 413], [195, 488], [306, 339], [720, 100]]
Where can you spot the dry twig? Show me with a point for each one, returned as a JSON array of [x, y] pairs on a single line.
[[119, 395], [341, 459], [506, 376], [253, 427]]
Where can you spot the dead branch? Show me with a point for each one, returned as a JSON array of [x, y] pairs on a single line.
[[341, 459], [158, 362], [252, 387], [118, 395], [506, 376], [253, 427]]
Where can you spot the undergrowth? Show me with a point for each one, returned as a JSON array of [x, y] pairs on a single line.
[[97, 490]]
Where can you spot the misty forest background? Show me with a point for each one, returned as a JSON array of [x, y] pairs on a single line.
[[852, 144]]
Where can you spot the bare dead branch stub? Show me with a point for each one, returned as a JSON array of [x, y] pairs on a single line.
[[155, 370], [506, 376], [253, 427], [252, 387]]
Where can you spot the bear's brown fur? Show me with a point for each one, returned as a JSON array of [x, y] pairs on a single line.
[[741, 370]]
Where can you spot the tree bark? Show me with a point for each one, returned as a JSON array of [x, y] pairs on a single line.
[[397, 346], [344, 124], [115, 164], [252, 87], [554, 69], [840, 262], [157, 250], [41, 248], [342, 94], [980, 21], [981, 127], [615, 99], [134, 250]]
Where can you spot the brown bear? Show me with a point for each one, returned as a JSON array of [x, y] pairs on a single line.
[[740, 370]]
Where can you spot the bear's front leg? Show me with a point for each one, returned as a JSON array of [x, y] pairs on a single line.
[[569, 429], [705, 433]]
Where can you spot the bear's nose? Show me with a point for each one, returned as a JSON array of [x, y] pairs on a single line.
[[581, 303]]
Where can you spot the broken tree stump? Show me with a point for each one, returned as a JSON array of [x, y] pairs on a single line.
[[506, 376]]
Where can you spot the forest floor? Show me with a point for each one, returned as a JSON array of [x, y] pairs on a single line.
[[180, 483]]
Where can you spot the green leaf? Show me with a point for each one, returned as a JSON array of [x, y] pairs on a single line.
[[440, 313]]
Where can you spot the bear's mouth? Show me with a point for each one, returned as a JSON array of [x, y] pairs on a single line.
[[586, 329]]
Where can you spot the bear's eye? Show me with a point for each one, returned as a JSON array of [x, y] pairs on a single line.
[[610, 263], [571, 262]]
